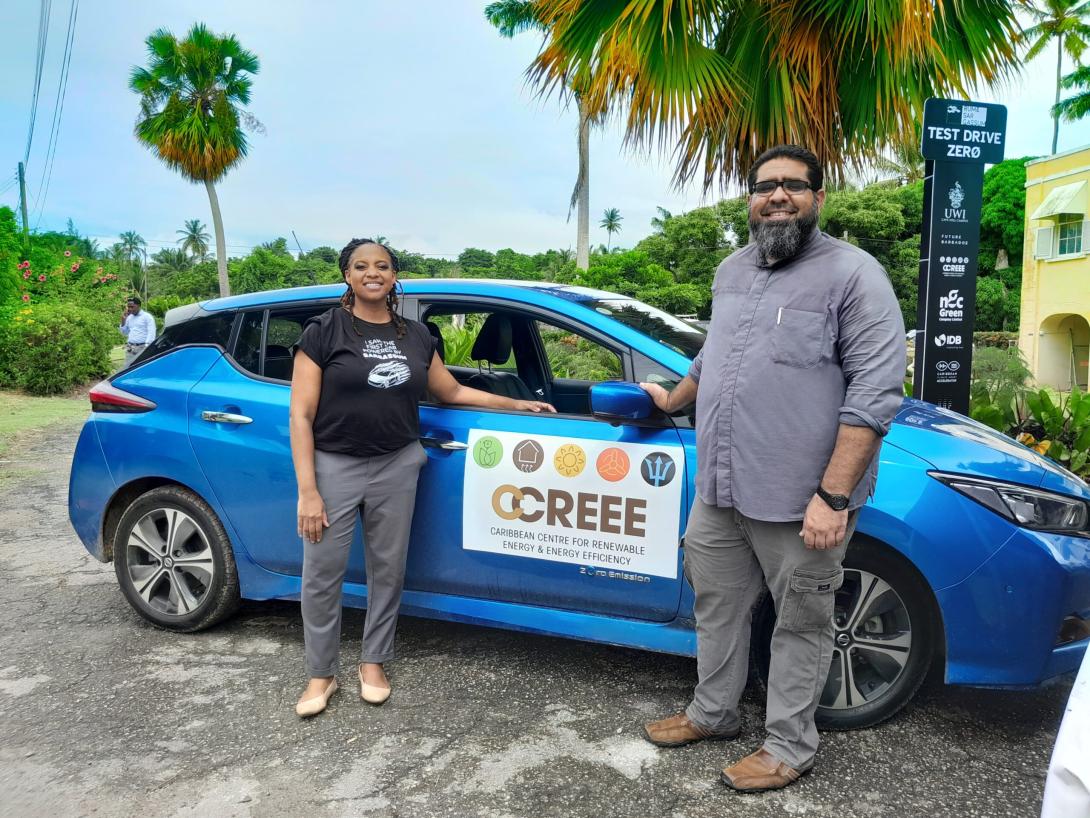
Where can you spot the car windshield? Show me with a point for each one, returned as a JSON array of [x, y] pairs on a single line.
[[654, 323]]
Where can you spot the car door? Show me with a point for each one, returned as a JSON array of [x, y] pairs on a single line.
[[563, 511], [238, 426]]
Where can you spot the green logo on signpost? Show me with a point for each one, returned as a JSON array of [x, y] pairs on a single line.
[[487, 452]]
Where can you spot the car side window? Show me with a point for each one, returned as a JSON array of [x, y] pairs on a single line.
[[208, 329], [460, 332], [264, 347], [573, 357]]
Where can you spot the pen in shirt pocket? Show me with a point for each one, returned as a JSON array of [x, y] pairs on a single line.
[[779, 315]]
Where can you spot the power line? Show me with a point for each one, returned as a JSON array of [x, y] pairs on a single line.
[[58, 112], [44, 10]]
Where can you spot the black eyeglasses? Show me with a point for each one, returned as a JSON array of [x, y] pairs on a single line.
[[768, 187]]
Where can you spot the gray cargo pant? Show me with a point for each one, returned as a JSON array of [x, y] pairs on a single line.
[[726, 556], [383, 490]]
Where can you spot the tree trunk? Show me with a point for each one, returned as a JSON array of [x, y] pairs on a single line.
[[582, 191], [221, 243], [1056, 114]]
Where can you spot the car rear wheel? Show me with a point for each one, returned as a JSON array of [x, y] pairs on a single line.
[[883, 639], [174, 562]]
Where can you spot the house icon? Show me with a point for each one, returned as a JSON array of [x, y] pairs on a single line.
[[528, 456]]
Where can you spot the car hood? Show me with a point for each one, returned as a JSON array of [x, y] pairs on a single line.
[[954, 443]]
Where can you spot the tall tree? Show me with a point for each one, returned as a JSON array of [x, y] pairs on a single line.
[[1066, 22], [722, 80], [132, 244], [611, 221], [190, 117], [1077, 106], [194, 239], [511, 17]]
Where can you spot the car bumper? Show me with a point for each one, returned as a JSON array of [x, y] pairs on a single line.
[[1003, 621], [90, 487]]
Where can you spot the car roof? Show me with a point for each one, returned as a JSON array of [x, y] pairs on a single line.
[[412, 286]]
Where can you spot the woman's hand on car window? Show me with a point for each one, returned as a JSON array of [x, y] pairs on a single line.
[[534, 406], [312, 517]]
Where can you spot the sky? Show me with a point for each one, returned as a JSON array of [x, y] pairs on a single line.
[[412, 121]]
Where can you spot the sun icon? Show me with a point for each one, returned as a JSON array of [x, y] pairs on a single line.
[[570, 460]]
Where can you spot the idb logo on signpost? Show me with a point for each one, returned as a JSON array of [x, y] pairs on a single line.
[[657, 469]]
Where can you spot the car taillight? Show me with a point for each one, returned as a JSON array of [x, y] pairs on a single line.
[[105, 397]]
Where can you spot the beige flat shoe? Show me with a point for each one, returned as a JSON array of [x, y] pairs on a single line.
[[316, 704], [372, 694]]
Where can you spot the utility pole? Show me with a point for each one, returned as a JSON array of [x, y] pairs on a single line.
[[22, 202]]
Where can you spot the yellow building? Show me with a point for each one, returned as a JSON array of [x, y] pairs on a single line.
[[1054, 332]]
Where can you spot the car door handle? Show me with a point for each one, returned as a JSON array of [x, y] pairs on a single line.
[[438, 443], [224, 417]]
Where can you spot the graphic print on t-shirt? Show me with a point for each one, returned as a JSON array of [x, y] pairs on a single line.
[[392, 371]]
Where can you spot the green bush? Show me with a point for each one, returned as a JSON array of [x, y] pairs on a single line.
[[49, 348], [158, 306]]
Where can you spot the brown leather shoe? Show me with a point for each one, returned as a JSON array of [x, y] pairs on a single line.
[[677, 731], [760, 771]]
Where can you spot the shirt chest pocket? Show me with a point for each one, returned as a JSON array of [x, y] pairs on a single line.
[[800, 338]]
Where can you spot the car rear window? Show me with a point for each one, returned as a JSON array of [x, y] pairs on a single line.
[[209, 329]]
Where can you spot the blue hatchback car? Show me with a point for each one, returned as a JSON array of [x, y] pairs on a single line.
[[973, 554]]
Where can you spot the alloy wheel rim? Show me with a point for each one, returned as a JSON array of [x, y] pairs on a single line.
[[872, 641], [169, 561]]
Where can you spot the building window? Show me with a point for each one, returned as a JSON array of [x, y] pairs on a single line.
[[1070, 234]]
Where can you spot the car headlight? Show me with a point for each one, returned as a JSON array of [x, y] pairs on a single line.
[[1029, 508]]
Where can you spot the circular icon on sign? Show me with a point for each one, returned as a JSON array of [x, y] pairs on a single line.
[[528, 456], [657, 469], [941, 366], [487, 452], [569, 460], [955, 366], [613, 464]]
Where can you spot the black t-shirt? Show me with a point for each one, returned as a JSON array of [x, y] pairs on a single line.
[[372, 382]]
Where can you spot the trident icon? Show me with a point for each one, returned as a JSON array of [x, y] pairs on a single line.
[[658, 472]]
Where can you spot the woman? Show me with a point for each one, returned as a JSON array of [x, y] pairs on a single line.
[[360, 373]]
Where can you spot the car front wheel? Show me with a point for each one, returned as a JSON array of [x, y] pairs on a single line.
[[884, 636], [174, 562]]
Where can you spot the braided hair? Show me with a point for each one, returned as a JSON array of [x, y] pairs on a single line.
[[393, 301]]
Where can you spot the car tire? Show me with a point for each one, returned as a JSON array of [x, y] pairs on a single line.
[[174, 561], [885, 636]]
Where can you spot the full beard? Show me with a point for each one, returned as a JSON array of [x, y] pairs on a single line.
[[783, 239]]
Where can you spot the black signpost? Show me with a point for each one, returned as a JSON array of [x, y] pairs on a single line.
[[959, 137]]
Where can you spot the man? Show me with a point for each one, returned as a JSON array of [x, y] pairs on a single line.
[[797, 383], [138, 327]]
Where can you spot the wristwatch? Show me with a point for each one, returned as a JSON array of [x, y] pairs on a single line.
[[837, 502]]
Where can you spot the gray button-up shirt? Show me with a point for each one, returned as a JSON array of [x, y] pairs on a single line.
[[794, 350]]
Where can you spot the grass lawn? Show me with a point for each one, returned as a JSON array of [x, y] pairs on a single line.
[[21, 413]]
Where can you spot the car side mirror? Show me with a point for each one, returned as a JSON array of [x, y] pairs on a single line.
[[616, 401]]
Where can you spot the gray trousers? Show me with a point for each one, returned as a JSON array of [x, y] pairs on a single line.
[[383, 490], [132, 352], [726, 557]]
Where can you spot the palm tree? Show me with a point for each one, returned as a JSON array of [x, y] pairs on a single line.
[[132, 244], [707, 78], [611, 221], [903, 164], [194, 239], [659, 222], [511, 17], [1075, 107], [189, 115], [1064, 20]]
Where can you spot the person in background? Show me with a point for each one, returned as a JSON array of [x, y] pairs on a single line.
[[138, 327]]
